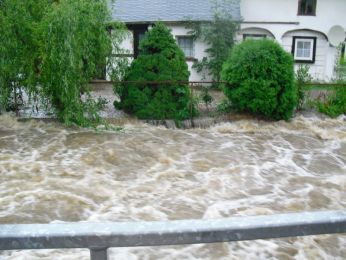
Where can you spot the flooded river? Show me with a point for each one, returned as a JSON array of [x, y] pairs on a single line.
[[49, 173]]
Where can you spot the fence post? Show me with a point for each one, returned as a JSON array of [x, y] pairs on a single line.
[[191, 106], [98, 254]]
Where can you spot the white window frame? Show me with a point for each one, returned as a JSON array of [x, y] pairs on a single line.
[[193, 45], [312, 41]]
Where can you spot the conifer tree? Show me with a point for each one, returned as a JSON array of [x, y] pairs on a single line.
[[160, 59]]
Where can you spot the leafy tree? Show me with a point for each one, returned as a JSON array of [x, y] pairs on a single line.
[[160, 59], [76, 41], [52, 49], [261, 79], [19, 56], [218, 35]]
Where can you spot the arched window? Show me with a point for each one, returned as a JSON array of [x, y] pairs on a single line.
[[307, 7]]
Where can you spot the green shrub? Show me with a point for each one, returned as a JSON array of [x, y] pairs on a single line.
[[302, 77], [160, 59], [206, 97], [335, 105], [261, 79]]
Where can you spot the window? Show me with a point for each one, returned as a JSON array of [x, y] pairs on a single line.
[[307, 7], [254, 36], [304, 49], [186, 44], [139, 35]]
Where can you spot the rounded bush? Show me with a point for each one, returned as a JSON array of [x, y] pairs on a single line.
[[261, 79], [160, 59]]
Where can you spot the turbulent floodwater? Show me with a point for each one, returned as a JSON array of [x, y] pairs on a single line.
[[50, 174]]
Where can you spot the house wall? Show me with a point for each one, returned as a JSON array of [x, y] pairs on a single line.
[[281, 19], [318, 70], [328, 14], [127, 44], [127, 48], [199, 52], [177, 30]]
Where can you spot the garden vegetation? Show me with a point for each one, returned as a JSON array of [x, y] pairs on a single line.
[[51, 50], [336, 103], [260, 78], [218, 35], [160, 59]]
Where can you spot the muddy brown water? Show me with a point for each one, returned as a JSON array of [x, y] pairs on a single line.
[[49, 173]]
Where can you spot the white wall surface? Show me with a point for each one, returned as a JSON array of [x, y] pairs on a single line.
[[127, 44], [281, 18], [178, 30], [199, 52], [328, 14], [318, 69]]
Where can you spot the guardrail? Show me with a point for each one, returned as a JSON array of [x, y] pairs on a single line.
[[98, 237]]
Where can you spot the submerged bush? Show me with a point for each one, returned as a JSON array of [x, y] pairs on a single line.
[[160, 59], [261, 79], [335, 105]]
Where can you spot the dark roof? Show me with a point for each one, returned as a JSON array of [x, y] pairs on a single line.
[[136, 11]]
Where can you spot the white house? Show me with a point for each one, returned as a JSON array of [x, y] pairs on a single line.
[[300, 26]]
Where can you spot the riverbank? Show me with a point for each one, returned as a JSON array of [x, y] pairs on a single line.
[[208, 115]]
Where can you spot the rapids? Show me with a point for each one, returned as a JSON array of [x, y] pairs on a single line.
[[49, 173]]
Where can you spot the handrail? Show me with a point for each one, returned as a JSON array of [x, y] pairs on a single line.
[[98, 237]]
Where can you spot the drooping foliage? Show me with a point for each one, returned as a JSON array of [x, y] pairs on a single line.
[[51, 49], [160, 59], [261, 79], [76, 41], [19, 56], [218, 35]]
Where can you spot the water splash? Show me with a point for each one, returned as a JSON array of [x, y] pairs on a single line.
[[49, 173]]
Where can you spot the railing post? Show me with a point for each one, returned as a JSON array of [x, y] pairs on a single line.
[[98, 254]]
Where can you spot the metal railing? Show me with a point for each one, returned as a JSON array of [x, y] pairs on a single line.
[[98, 237]]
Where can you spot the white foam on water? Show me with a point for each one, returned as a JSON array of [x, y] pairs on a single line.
[[51, 174]]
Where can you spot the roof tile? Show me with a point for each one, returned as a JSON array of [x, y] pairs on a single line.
[[132, 11]]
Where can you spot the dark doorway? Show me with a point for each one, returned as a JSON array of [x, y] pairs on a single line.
[[139, 31]]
